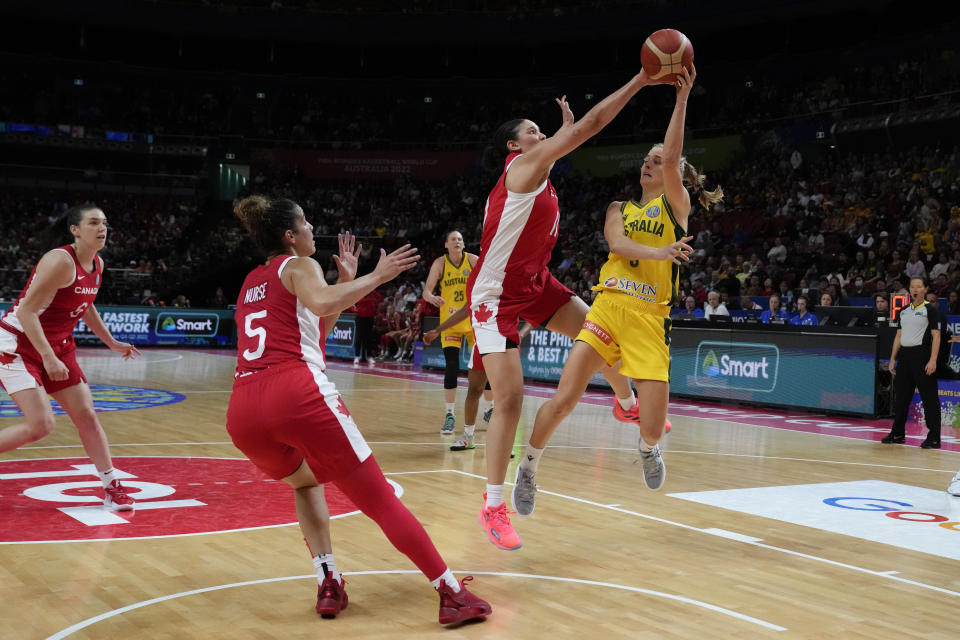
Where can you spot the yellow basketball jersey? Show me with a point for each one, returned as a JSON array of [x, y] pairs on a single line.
[[453, 290], [652, 281]]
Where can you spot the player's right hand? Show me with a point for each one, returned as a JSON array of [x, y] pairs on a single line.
[[434, 299], [55, 368], [396, 262]]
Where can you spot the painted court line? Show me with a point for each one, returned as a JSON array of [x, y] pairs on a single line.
[[739, 538], [528, 576]]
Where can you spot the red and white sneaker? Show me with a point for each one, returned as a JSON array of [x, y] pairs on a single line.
[[633, 415], [496, 523], [116, 498], [331, 597], [460, 606]]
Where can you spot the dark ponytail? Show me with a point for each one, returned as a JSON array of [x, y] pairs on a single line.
[[267, 220], [495, 154], [54, 235]]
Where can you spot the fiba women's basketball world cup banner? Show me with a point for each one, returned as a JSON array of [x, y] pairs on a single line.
[[368, 165]]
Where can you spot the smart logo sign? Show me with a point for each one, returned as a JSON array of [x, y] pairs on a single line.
[[175, 324], [60, 500], [341, 338], [737, 365], [900, 515]]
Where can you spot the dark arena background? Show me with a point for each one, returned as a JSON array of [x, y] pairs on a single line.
[[832, 128]]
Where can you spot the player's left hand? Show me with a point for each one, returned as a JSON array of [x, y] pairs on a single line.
[[349, 256], [930, 368], [685, 82], [566, 112], [678, 251], [128, 350]]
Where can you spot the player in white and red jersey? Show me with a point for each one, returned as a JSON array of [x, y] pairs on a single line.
[[288, 417], [511, 280], [38, 355]]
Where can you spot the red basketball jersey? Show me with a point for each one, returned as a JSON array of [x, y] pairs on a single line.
[[519, 233], [60, 316], [272, 325]]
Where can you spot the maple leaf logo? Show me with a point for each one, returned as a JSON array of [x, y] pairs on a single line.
[[482, 314], [7, 358], [341, 407]]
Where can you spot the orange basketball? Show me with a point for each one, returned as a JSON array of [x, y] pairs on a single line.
[[664, 53]]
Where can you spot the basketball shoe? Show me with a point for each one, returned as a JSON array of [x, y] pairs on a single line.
[[524, 496], [449, 425], [633, 415], [487, 415], [116, 498], [954, 488], [654, 471], [496, 523], [460, 606], [464, 443], [331, 597]]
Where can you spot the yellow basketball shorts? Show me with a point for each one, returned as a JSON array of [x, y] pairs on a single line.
[[453, 337], [617, 330]]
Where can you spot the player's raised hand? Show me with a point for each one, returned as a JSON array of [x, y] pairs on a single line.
[[396, 262]]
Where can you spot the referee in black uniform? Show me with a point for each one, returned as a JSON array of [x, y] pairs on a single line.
[[917, 343]]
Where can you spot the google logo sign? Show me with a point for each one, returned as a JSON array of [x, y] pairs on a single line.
[[895, 512]]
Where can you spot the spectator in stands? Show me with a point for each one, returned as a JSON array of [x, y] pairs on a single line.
[[774, 313], [690, 307], [881, 304], [713, 306], [219, 300], [777, 253], [953, 302], [940, 286], [749, 304], [826, 300], [865, 240], [803, 315], [768, 287], [915, 267], [786, 295], [942, 267], [856, 287]]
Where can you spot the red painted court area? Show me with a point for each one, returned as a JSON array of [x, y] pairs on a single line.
[[53, 500]]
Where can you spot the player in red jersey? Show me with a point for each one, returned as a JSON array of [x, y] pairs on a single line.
[[289, 419], [38, 355], [511, 280]]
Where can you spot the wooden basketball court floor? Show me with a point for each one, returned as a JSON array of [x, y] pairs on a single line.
[[758, 532]]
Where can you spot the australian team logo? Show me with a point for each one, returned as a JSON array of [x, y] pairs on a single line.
[[106, 397], [653, 211]]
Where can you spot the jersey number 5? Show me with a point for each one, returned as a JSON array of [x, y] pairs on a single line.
[[259, 333]]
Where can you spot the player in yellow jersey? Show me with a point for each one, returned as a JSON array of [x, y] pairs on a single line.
[[630, 317], [451, 271]]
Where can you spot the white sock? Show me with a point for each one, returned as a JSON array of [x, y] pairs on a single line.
[[107, 477], [531, 458], [494, 495], [325, 566], [450, 408], [627, 403], [487, 405], [646, 448], [468, 430], [447, 576]]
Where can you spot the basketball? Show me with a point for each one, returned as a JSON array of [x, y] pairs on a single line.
[[664, 53]]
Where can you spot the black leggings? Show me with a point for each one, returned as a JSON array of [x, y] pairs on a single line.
[[910, 376], [452, 356]]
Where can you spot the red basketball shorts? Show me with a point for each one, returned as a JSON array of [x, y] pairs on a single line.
[[290, 413]]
